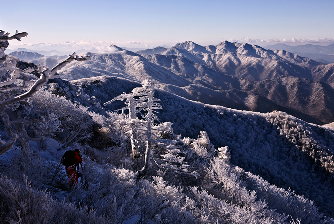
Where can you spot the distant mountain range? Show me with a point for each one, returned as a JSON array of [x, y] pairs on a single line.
[[38, 59], [323, 54], [26, 55], [235, 75], [42, 52]]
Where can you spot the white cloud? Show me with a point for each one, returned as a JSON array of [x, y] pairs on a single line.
[[134, 42], [69, 47]]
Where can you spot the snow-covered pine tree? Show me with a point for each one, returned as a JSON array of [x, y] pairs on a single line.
[[140, 102], [152, 104], [131, 122]]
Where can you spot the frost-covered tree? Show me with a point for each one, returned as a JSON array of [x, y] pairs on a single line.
[[18, 84], [140, 103]]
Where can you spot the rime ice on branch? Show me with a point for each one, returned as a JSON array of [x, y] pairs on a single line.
[[15, 129]]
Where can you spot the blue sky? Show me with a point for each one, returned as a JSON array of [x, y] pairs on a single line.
[[152, 21]]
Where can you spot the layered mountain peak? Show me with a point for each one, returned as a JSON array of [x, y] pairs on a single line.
[[248, 49], [284, 53], [242, 49], [226, 47], [253, 50], [191, 46]]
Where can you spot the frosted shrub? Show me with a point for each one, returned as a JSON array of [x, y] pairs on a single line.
[[25, 205], [287, 202], [43, 174], [75, 122], [232, 184], [69, 213], [116, 195], [108, 130], [214, 210], [175, 206], [202, 145], [28, 163], [164, 130], [224, 154], [304, 136], [234, 190]]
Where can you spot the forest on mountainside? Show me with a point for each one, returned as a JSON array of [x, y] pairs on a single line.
[[150, 156]]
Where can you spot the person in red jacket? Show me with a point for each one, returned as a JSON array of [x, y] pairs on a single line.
[[72, 170]]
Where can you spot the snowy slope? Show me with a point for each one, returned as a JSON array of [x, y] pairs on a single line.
[[249, 167], [124, 64], [285, 151]]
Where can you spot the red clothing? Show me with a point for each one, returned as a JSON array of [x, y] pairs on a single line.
[[71, 171], [72, 175], [77, 159]]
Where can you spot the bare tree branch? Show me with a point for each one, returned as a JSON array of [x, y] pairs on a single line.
[[17, 35], [46, 74], [28, 94], [72, 57], [13, 136]]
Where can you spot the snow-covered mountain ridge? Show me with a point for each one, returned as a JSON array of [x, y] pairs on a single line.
[[244, 60], [224, 75]]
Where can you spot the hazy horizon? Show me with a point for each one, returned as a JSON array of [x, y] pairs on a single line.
[[147, 24], [104, 47]]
